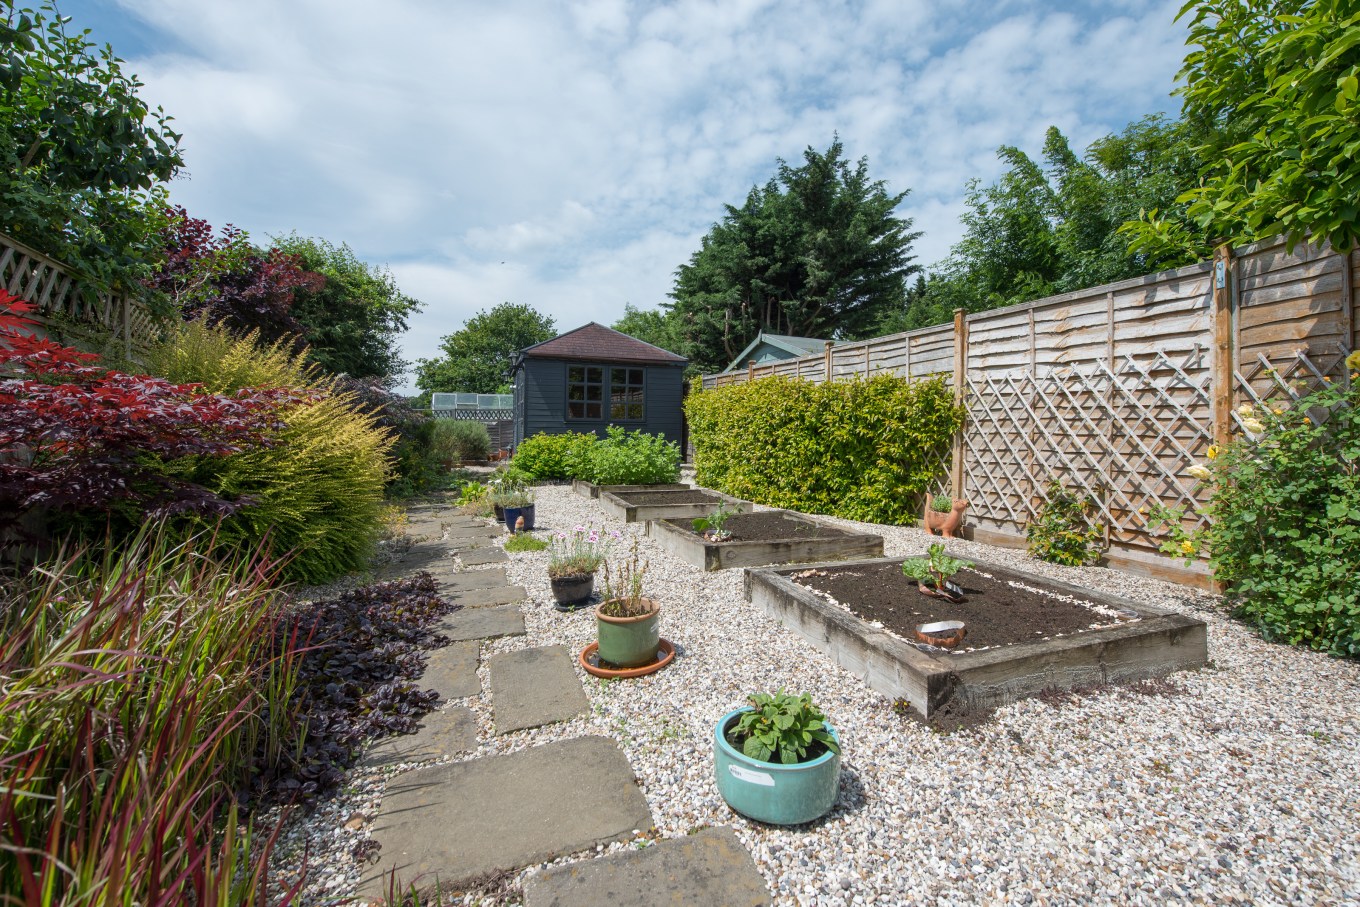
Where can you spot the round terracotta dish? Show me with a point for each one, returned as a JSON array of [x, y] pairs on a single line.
[[589, 661]]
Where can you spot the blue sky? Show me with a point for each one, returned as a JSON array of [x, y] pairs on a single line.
[[570, 155]]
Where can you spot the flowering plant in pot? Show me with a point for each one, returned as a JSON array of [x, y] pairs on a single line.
[[626, 622], [518, 503], [777, 759], [572, 563], [944, 514]]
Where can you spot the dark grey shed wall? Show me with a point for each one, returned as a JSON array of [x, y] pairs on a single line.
[[541, 398]]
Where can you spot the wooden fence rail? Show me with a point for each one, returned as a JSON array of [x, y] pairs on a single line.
[[66, 306], [1117, 390]]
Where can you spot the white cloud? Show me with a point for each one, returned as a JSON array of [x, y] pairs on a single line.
[[570, 156]]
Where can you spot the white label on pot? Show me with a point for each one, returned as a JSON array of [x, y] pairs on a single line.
[[750, 777]]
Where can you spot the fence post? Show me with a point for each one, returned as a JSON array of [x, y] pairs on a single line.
[[960, 379], [827, 357], [750, 370], [1224, 354]]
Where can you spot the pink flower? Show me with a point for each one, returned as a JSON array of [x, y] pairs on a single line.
[[594, 537], [579, 529]]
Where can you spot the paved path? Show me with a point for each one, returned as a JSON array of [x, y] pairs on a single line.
[[453, 823]]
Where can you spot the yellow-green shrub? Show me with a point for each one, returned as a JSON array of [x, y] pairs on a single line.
[[864, 450], [318, 493]]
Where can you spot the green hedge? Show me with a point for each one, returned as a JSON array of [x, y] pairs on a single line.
[[546, 456], [864, 450]]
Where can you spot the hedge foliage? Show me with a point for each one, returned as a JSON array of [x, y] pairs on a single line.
[[629, 458], [546, 456], [318, 493], [864, 450]]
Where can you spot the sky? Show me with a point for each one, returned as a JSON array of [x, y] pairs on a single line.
[[571, 155]]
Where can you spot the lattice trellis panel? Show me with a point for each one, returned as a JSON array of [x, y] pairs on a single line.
[[1278, 381], [1123, 436]]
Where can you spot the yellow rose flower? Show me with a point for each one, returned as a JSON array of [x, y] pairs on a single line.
[[1188, 546], [1255, 426], [1199, 471], [1245, 410], [1353, 361], [1212, 451]]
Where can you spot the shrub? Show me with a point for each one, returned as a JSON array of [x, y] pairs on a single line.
[[456, 441], [318, 493], [1062, 531], [141, 690], [864, 450], [629, 458], [562, 456], [1284, 506]]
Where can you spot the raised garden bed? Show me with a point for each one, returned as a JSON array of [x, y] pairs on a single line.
[[641, 505], [591, 490], [768, 537], [1049, 635]]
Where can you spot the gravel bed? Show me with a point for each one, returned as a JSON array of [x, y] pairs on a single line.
[[1236, 784]]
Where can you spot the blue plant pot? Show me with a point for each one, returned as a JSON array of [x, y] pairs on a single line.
[[770, 791], [512, 514]]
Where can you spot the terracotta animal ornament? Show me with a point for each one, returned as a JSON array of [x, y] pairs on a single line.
[[946, 524]]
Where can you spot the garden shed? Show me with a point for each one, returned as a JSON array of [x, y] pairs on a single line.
[[593, 377], [767, 348]]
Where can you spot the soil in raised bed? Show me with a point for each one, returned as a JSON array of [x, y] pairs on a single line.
[[766, 526], [994, 612], [667, 497]]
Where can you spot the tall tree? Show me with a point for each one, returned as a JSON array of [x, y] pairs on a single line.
[[353, 320], [1283, 77], [476, 359], [655, 326], [816, 251], [83, 159]]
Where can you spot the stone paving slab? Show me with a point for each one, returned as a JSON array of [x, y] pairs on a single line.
[[534, 687], [483, 623], [445, 732], [425, 529], [478, 556], [489, 598], [450, 823], [472, 532], [462, 580], [709, 867], [452, 671], [461, 545], [429, 555]]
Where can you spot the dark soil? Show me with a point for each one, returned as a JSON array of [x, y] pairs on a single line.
[[995, 614], [767, 526], [668, 497]]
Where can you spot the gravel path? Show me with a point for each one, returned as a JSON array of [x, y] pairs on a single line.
[[1236, 784]]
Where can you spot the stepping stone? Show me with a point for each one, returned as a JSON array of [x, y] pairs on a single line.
[[709, 867], [452, 671], [455, 822], [474, 579], [425, 530], [472, 532], [488, 555], [458, 520], [485, 598], [420, 556], [460, 545], [534, 687], [483, 623], [442, 733]]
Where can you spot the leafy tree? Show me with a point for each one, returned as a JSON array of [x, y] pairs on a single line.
[[352, 322], [477, 358], [229, 282], [659, 327], [83, 160], [1284, 76], [816, 251]]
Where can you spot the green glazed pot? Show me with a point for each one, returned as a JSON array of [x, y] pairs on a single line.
[[628, 642], [771, 791]]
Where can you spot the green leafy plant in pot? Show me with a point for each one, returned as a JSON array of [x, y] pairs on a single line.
[[626, 622], [572, 563], [518, 504], [777, 759]]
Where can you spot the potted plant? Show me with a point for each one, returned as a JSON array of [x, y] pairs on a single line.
[[626, 623], [944, 515], [777, 759], [711, 526], [932, 573], [572, 564], [517, 503]]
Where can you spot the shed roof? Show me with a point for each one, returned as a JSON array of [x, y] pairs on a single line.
[[796, 347], [597, 343]]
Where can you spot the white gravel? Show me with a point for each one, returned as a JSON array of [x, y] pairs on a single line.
[[1240, 788]]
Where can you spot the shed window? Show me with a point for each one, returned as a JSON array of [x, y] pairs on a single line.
[[585, 392], [625, 393]]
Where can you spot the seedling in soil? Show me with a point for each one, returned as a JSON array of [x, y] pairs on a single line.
[[932, 573], [711, 526]]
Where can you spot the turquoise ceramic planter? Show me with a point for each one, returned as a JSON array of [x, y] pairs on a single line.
[[628, 642], [770, 791]]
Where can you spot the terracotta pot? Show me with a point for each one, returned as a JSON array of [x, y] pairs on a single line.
[[571, 590], [628, 642], [946, 524]]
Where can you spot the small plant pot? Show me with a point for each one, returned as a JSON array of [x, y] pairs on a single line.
[[512, 515], [770, 791], [946, 524], [628, 642], [572, 590], [499, 512]]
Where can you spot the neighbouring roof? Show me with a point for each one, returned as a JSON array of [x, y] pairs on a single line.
[[793, 347], [598, 343]]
